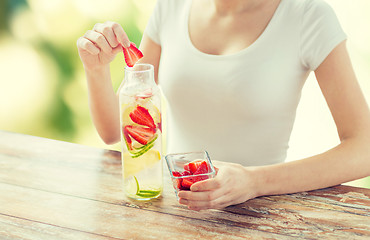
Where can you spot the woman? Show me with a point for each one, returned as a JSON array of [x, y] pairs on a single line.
[[232, 71]]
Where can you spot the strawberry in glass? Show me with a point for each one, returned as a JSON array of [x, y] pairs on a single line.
[[189, 168]]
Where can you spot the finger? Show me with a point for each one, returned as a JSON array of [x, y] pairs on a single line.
[[117, 49], [202, 196], [88, 46], [203, 205], [222, 202], [206, 185], [108, 33], [219, 203], [99, 40], [120, 34]]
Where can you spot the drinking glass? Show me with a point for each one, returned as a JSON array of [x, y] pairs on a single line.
[[178, 165]]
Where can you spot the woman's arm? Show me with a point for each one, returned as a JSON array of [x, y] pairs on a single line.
[[348, 161], [351, 158], [97, 48]]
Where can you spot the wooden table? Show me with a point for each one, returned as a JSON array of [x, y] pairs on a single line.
[[56, 190]]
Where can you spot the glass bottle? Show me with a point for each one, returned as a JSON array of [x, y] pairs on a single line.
[[141, 133]]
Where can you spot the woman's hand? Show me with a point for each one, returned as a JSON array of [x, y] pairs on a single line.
[[233, 184], [98, 47]]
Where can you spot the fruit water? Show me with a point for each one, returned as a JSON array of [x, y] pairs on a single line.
[[141, 133]]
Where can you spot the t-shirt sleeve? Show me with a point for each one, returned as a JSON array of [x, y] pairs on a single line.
[[321, 32], [153, 27]]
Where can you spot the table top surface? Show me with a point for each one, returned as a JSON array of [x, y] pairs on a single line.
[[57, 190]]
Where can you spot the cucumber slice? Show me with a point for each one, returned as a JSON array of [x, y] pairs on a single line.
[[145, 193], [150, 142], [141, 150], [144, 150]]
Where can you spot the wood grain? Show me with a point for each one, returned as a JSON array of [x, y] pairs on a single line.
[[50, 187], [18, 228]]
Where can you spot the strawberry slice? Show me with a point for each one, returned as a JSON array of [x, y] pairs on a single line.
[[140, 134], [176, 174], [178, 180], [186, 173], [194, 165], [132, 55], [202, 168], [191, 173], [186, 183], [142, 116], [127, 138], [186, 167]]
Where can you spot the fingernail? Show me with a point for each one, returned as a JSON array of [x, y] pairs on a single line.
[[126, 44]]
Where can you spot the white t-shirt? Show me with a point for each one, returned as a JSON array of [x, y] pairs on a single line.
[[240, 107]]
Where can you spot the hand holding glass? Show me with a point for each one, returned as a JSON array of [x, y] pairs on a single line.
[[189, 168]]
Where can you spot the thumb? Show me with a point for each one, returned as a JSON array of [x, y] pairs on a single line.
[[117, 49]]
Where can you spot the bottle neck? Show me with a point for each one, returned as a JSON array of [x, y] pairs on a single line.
[[138, 78], [140, 74]]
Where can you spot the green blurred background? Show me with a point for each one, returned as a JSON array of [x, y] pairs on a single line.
[[42, 86], [43, 90]]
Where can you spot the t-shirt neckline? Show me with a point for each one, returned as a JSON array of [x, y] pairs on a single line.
[[265, 32]]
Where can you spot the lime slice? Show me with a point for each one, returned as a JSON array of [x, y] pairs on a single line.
[[137, 185], [137, 152], [145, 193], [148, 193], [131, 166], [131, 186]]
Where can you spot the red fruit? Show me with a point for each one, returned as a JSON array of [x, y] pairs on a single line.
[[176, 174], [194, 165], [182, 187], [142, 116], [186, 173], [132, 55], [192, 169], [127, 138], [201, 178], [202, 168], [140, 134], [187, 182], [186, 167], [178, 180]]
